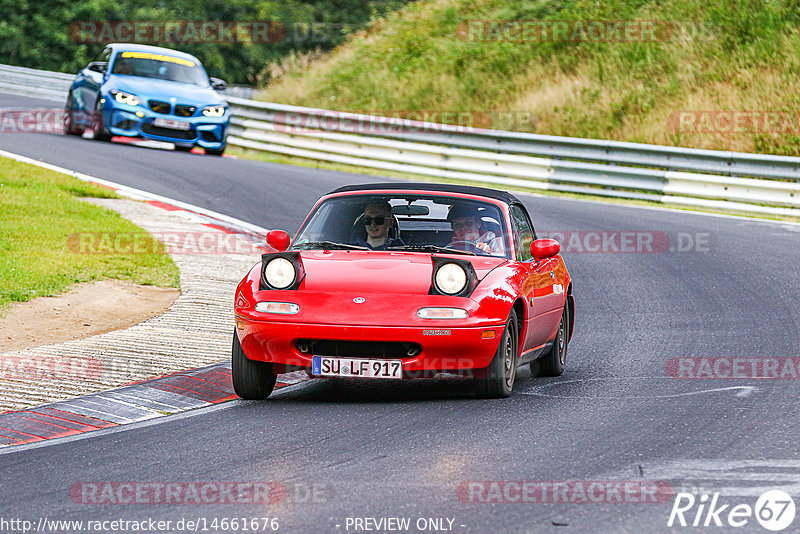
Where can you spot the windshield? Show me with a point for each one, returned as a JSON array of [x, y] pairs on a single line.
[[416, 223], [160, 66]]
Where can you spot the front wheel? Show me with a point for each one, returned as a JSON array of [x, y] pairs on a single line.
[[101, 133], [552, 363], [183, 148], [70, 128], [252, 380], [499, 380]]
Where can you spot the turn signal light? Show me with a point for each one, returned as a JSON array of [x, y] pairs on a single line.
[[284, 308]]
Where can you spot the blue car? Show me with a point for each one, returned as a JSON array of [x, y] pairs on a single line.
[[151, 92]]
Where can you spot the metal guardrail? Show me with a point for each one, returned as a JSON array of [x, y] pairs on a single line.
[[32, 82], [609, 152], [751, 183], [512, 158]]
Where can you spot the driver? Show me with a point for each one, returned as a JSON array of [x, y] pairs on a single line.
[[466, 223], [378, 220], [123, 66]]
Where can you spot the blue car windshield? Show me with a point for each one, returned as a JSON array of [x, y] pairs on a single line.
[[159, 66]]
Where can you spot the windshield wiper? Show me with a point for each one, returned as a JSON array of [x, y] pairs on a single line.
[[430, 248], [327, 245]]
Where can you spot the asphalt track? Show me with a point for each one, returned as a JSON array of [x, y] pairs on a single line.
[[378, 450]]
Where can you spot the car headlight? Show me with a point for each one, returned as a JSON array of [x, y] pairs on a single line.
[[280, 273], [214, 111], [451, 278], [125, 98]]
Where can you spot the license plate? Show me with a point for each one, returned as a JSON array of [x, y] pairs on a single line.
[[356, 368], [173, 124]]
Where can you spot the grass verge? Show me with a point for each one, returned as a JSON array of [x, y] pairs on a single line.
[[39, 211]]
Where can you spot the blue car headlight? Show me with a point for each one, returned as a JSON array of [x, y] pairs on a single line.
[[125, 98], [214, 111]]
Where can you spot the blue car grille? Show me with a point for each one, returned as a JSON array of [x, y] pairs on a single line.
[[183, 110], [160, 107], [167, 132]]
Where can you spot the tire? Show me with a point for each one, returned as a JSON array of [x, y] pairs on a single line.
[[215, 152], [251, 380], [499, 380], [552, 363], [100, 131], [70, 128], [181, 148]]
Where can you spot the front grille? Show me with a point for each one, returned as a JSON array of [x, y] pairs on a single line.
[[167, 132], [182, 110], [358, 349], [160, 107]]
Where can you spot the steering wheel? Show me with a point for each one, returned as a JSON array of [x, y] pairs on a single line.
[[466, 246]]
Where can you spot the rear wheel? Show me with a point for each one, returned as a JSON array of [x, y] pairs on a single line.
[[101, 133], [70, 128], [499, 380], [251, 380], [552, 363]]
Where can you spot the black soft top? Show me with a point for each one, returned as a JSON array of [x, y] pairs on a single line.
[[503, 196]]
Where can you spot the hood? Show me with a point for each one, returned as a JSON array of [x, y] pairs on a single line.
[[377, 271], [155, 89]]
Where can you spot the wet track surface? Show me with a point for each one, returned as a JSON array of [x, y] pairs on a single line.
[[386, 449]]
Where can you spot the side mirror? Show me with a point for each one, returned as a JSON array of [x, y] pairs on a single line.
[[542, 249], [217, 84], [279, 240], [98, 66]]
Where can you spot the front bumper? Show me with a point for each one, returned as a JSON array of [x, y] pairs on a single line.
[[137, 121], [442, 349]]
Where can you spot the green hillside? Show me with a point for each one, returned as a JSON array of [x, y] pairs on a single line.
[[737, 60]]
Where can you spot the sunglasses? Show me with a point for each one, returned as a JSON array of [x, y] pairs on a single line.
[[377, 220]]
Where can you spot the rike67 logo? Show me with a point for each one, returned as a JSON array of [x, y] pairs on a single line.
[[774, 510]]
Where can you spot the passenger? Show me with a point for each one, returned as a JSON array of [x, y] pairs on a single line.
[[466, 223], [378, 221]]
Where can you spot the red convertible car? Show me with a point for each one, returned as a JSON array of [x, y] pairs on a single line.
[[405, 280]]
